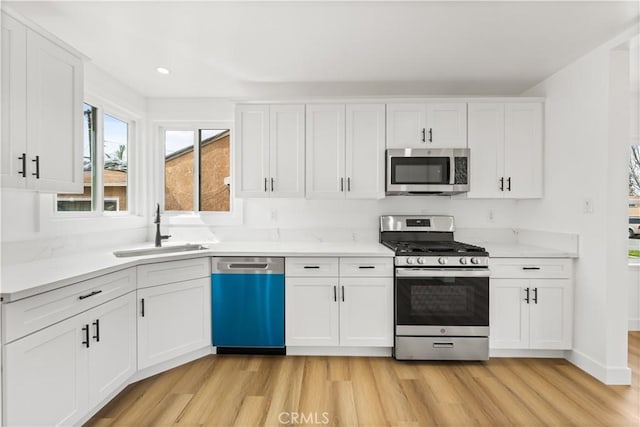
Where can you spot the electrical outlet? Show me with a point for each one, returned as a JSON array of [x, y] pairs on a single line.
[[274, 215], [491, 215], [587, 206]]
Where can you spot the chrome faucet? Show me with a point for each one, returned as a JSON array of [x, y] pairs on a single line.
[[156, 221]]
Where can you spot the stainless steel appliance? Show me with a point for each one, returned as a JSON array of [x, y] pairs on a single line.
[[248, 305], [427, 171], [441, 290]]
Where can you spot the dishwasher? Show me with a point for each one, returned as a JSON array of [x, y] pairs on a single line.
[[247, 305]]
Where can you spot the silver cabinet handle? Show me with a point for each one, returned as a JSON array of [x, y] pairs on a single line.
[[342, 293], [272, 185], [265, 185], [335, 294], [341, 184], [349, 184]]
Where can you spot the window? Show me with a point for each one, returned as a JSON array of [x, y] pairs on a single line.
[[197, 170], [106, 184]]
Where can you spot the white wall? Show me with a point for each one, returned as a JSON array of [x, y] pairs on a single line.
[[634, 297], [29, 226], [587, 104]]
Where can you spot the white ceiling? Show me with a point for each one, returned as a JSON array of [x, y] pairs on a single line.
[[266, 49]]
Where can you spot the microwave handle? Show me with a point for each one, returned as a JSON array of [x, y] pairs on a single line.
[[452, 170]]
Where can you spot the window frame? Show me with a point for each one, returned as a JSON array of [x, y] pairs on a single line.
[[231, 217], [104, 107]]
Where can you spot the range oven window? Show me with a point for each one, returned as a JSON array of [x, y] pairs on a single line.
[[420, 170], [442, 301]]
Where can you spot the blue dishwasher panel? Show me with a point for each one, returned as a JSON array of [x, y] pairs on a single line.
[[247, 310]]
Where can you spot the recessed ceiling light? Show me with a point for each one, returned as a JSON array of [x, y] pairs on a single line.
[[162, 70]]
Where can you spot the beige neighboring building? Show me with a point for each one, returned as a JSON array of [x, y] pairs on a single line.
[[214, 168]]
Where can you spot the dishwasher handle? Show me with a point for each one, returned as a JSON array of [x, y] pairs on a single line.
[[247, 265]]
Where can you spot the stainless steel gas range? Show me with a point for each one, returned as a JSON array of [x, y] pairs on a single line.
[[441, 290]]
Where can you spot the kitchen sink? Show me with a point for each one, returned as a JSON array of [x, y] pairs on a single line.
[[161, 250]]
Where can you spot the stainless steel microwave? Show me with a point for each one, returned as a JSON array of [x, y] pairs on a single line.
[[427, 171]]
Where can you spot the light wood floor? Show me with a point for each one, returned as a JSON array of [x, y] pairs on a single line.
[[267, 390]]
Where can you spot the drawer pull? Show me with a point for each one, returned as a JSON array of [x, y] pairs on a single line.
[[362, 267], [442, 345], [531, 268], [81, 297], [315, 267]]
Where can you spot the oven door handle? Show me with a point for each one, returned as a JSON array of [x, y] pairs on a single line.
[[441, 272]]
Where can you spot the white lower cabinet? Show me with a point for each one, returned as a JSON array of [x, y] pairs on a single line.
[[173, 319], [56, 375], [335, 310], [112, 359], [532, 307]]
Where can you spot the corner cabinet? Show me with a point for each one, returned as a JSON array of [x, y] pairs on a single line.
[[325, 308], [174, 309], [270, 150], [531, 303], [430, 125], [506, 143], [345, 146], [42, 96]]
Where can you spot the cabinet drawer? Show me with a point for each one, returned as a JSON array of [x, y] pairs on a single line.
[[311, 267], [366, 267], [28, 315], [534, 268], [173, 271]]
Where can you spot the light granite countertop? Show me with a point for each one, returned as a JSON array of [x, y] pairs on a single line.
[[31, 278]]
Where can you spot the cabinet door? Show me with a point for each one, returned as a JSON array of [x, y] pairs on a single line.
[[311, 311], [552, 314], [14, 108], [45, 376], [112, 357], [486, 150], [173, 319], [286, 156], [407, 126], [54, 112], [252, 151], [509, 314], [325, 151], [523, 150], [365, 147], [366, 311], [447, 125]]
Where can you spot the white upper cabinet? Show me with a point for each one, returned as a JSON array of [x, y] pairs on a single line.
[[345, 151], [270, 151], [430, 125], [42, 85], [505, 142]]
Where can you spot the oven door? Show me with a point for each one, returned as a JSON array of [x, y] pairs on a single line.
[[442, 302]]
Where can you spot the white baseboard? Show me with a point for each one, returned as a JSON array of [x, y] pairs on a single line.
[[634, 324], [339, 351], [547, 354], [607, 375]]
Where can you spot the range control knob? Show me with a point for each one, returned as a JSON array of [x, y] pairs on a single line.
[[420, 260], [442, 260], [463, 260], [474, 260], [409, 260]]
